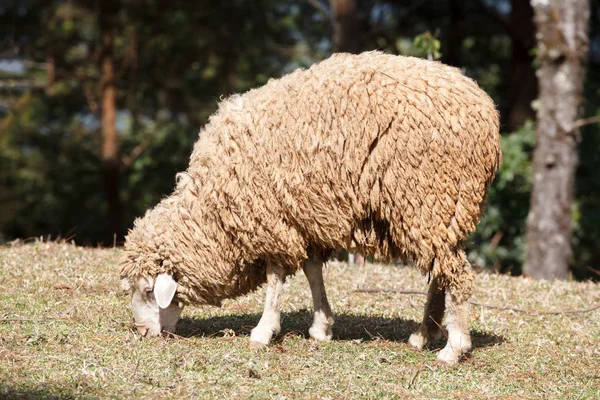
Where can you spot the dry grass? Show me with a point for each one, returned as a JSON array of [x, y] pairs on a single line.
[[64, 333]]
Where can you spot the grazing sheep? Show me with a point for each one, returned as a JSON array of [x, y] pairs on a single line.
[[388, 155]]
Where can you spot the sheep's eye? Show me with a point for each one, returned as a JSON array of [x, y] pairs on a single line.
[[148, 289]]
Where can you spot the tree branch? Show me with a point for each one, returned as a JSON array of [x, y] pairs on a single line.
[[320, 7], [130, 59], [128, 159], [586, 121], [399, 291]]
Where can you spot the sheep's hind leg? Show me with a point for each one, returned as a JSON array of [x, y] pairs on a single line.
[[429, 330], [457, 311], [323, 319], [269, 324]]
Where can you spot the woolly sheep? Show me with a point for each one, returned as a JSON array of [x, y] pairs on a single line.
[[387, 155]]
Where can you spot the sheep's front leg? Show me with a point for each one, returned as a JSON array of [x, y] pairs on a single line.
[[323, 318], [269, 324], [429, 330]]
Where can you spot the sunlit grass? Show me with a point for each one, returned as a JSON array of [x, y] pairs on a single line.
[[64, 333]]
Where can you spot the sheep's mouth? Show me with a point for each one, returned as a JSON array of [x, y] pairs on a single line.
[[143, 330]]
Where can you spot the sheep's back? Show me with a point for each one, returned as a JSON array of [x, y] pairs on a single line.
[[390, 154]]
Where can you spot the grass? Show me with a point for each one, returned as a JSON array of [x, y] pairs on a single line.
[[65, 333]]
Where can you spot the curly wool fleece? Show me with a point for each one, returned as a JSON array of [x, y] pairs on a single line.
[[389, 155]]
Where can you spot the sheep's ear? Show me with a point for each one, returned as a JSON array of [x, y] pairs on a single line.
[[164, 290]]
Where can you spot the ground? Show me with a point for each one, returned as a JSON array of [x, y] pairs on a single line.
[[65, 333]]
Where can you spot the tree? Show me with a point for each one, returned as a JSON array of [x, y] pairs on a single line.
[[522, 87], [109, 106], [455, 34], [108, 100], [346, 35], [562, 28]]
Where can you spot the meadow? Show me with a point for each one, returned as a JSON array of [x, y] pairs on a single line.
[[65, 332]]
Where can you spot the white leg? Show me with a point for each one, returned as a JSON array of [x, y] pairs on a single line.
[[458, 292], [457, 322], [323, 318], [429, 330], [269, 324]]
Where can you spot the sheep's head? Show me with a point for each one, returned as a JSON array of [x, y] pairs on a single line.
[[153, 301], [154, 310]]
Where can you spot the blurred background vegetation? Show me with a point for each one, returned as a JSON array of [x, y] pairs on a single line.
[[101, 101]]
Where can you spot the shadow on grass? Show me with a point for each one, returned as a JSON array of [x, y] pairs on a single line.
[[31, 394], [346, 327]]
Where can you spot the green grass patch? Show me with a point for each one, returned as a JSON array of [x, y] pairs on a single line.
[[65, 333]]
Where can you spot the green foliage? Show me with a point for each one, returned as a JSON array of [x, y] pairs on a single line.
[[499, 241], [586, 213], [49, 176], [176, 59], [173, 63], [427, 46]]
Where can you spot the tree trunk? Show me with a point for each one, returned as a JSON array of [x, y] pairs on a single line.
[[110, 144], [346, 37], [455, 35], [562, 51], [522, 85]]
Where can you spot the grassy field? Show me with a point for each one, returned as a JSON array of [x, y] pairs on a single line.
[[65, 333]]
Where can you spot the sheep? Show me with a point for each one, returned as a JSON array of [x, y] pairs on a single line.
[[387, 155]]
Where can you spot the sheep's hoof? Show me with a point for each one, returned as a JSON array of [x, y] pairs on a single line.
[[448, 355], [417, 341], [261, 337], [321, 335], [254, 345]]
